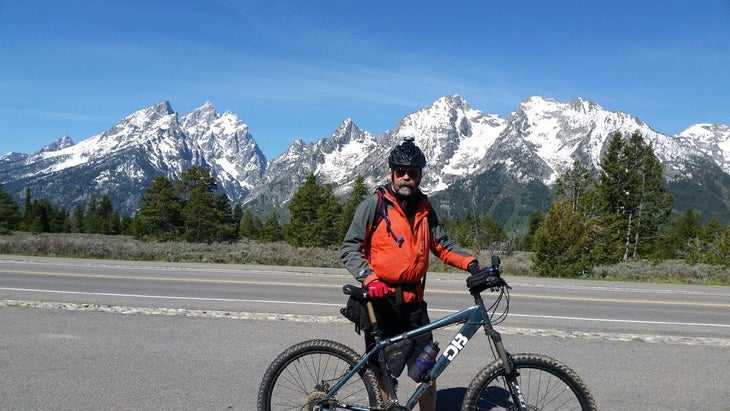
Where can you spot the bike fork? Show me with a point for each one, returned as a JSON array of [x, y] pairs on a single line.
[[516, 392], [510, 373]]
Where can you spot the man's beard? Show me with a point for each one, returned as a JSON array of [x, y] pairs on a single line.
[[405, 189]]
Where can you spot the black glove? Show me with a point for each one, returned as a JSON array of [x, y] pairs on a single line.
[[480, 278], [483, 278], [473, 267]]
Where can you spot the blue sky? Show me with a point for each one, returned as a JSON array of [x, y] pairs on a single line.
[[297, 69]]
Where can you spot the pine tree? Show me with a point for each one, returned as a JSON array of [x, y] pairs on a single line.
[[104, 217], [9, 213], [115, 223], [237, 217], [633, 200], [27, 213], [126, 225], [712, 232], [723, 247], [272, 231], [226, 224], [477, 231], [77, 220], [687, 237], [329, 217], [689, 226], [562, 244], [201, 212], [533, 223], [574, 185], [44, 217], [90, 216], [359, 191], [251, 226], [159, 215], [315, 214]]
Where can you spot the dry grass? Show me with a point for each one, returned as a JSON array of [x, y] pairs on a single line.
[[250, 252], [127, 248]]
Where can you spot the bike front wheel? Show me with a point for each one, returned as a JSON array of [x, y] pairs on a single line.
[[545, 384], [301, 376]]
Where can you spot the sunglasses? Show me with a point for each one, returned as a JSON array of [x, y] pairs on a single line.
[[413, 172]]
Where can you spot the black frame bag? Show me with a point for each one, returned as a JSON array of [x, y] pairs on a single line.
[[397, 355], [357, 313]]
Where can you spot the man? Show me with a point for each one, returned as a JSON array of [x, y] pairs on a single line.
[[392, 260]]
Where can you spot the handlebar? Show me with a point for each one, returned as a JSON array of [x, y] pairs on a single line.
[[493, 282]]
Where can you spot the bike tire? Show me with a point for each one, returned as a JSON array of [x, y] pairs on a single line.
[[546, 384], [303, 373]]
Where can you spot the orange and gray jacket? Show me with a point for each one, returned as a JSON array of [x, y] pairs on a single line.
[[398, 257]]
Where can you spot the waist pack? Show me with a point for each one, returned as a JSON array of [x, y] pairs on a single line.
[[406, 293]]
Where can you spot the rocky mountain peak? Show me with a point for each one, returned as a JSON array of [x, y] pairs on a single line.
[[711, 139], [62, 142], [158, 110], [580, 105], [454, 101], [201, 116], [158, 116]]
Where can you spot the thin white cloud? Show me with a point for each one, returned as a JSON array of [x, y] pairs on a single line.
[[59, 115]]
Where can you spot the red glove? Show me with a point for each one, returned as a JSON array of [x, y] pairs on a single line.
[[377, 289]]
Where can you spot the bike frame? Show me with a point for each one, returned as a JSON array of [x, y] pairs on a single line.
[[473, 318]]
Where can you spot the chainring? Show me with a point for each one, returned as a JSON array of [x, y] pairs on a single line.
[[312, 400]]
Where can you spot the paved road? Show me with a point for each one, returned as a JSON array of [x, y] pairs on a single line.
[[89, 334]]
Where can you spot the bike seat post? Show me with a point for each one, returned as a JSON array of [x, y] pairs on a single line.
[[371, 313]]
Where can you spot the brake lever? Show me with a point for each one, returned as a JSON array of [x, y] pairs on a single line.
[[499, 283]]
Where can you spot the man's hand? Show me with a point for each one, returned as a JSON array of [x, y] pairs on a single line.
[[479, 278], [473, 267], [377, 289], [483, 279]]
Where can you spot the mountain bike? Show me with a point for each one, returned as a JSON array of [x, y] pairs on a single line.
[[324, 375]]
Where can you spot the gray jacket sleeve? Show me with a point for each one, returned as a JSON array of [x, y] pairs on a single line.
[[351, 251]]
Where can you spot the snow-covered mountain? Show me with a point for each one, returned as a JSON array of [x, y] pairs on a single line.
[[549, 135], [224, 143], [62, 142], [334, 160], [711, 139], [532, 146], [453, 136], [123, 161]]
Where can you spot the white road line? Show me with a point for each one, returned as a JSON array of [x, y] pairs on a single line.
[[163, 297], [168, 297], [242, 315]]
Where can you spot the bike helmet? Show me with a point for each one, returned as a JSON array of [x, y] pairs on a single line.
[[407, 154]]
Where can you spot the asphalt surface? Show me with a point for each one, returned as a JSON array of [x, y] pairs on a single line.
[[92, 334]]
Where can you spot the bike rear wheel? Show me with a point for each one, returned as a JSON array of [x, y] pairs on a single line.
[[301, 375], [545, 383]]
